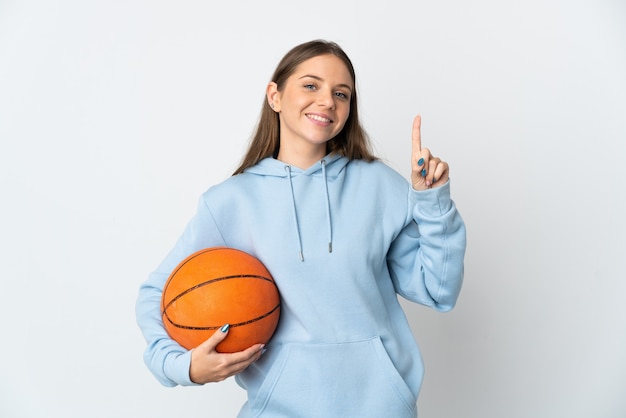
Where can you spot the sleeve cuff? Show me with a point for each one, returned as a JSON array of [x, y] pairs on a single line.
[[432, 202], [176, 368]]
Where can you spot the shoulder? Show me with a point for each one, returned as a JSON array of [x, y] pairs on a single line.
[[230, 186], [378, 171]]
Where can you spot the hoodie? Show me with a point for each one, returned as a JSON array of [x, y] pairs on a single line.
[[342, 239]]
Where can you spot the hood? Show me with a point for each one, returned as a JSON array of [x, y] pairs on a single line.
[[272, 167], [327, 168]]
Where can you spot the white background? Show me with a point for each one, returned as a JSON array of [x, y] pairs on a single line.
[[116, 115]]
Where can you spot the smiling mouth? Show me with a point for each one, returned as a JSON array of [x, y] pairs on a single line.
[[318, 118]]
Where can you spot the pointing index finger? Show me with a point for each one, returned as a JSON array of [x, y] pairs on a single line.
[[416, 134]]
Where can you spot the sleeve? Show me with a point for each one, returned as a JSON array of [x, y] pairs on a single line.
[[426, 260], [166, 359]]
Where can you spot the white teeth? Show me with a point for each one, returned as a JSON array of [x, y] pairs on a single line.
[[318, 118]]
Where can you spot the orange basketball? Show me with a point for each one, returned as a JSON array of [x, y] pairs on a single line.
[[218, 286]]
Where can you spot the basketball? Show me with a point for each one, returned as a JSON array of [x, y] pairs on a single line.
[[218, 286]]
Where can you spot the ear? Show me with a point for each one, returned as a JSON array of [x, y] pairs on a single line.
[[273, 96]]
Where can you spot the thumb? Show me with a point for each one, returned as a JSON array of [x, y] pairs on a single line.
[[218, 336]]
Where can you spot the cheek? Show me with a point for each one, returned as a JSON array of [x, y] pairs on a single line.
[[344, 116]]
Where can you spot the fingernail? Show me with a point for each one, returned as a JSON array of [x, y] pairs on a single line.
[[225, 328], [434, 180], [420, 162], [424, 173], [263, 351]]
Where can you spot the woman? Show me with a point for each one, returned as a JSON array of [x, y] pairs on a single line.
[[342, 234]]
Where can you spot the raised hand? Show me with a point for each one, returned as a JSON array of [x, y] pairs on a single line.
[[427, 171]]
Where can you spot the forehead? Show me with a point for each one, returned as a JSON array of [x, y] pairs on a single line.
[[327, 67]]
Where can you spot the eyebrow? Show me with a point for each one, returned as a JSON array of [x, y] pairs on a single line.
[[321, 79]]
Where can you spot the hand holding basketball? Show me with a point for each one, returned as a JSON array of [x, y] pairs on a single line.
[[427, 171], [208, 365], [218, 286]]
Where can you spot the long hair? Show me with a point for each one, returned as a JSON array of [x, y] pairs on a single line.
[[351, 142]]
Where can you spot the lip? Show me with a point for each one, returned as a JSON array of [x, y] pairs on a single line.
[[319, 118]]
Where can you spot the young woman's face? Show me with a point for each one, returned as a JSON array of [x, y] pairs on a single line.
[[314, 103]]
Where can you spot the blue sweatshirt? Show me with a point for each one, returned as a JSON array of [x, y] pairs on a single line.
[[341, 239]]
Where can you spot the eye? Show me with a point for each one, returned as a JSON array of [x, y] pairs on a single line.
[[342, 95], [310, 86]]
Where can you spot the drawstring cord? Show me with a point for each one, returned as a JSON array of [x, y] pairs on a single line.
[[330, 225], [295, 214]]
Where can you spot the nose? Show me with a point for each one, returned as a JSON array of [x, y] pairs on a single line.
[[326, 99]]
